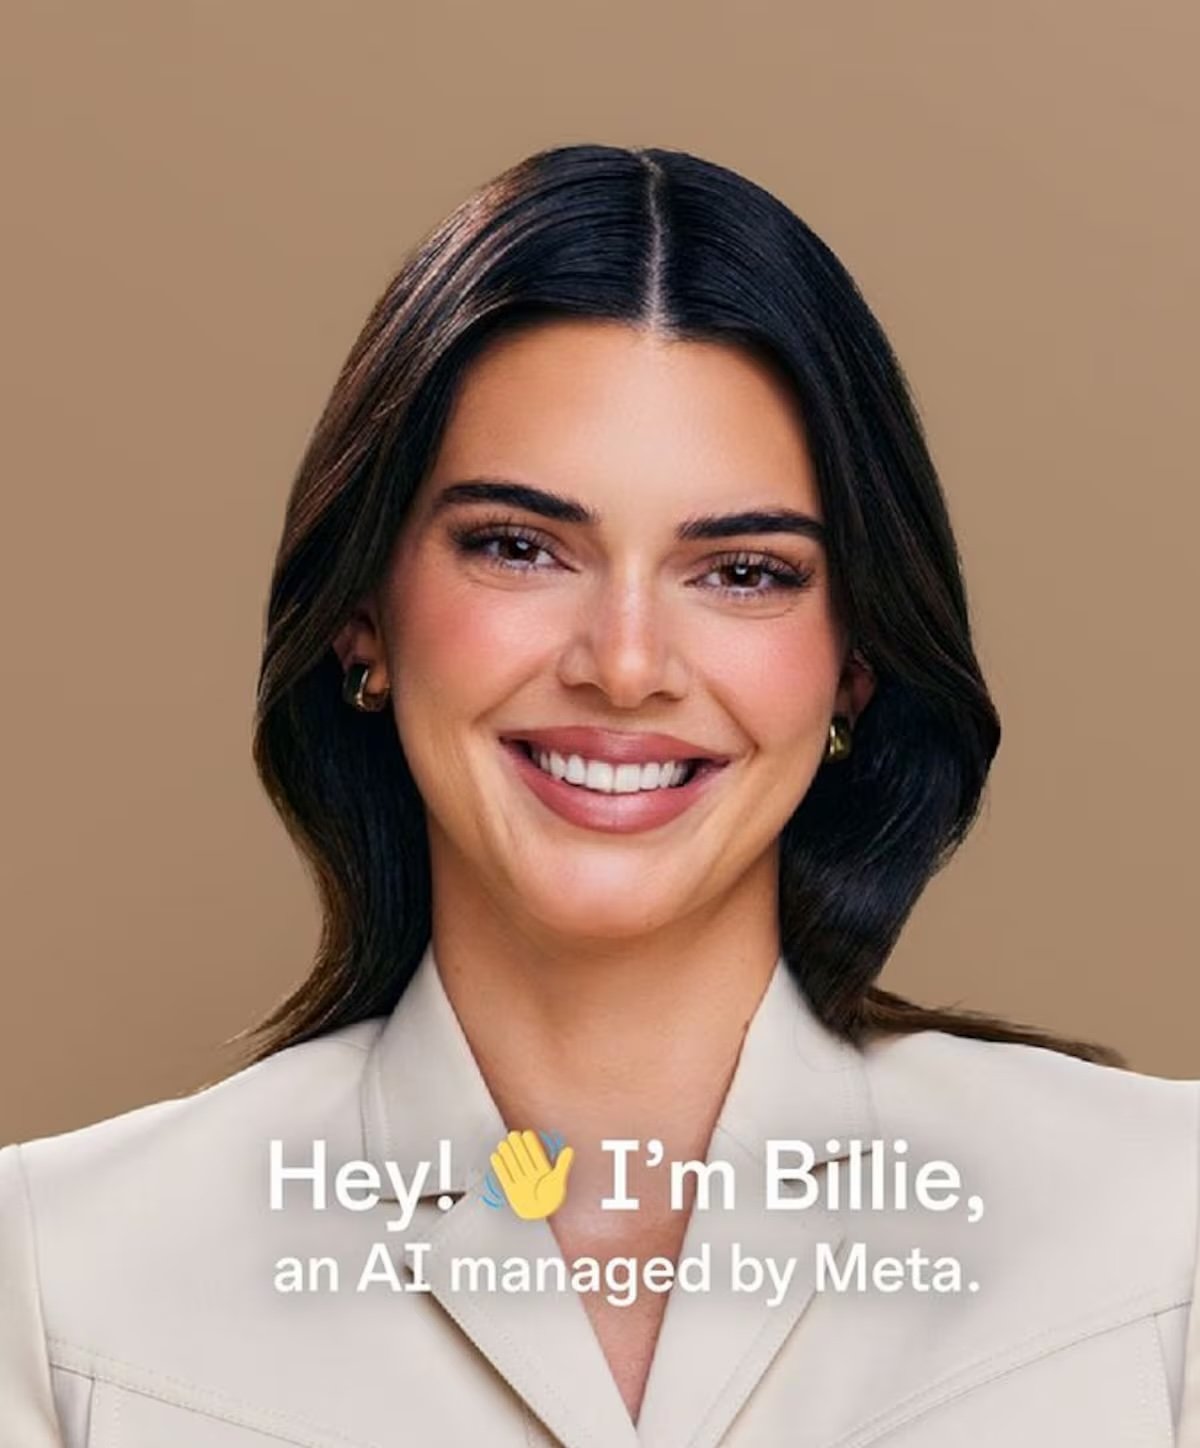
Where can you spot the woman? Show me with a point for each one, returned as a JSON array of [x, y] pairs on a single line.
[[620, 539]]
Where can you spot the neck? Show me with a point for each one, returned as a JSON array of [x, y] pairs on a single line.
[[596, 1039]]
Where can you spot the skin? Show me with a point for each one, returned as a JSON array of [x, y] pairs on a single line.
[[565, 950]]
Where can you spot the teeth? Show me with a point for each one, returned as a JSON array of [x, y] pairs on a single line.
[[606, 778]]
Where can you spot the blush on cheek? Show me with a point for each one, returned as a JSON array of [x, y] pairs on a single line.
[[779, 683], [467, 640]]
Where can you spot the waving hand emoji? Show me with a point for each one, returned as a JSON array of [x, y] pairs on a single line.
[[533, 1187]]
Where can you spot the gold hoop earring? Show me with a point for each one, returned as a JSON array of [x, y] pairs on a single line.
[[837, 747], [354, 687]]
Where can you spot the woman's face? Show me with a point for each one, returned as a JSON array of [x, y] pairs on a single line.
[[596, 601]]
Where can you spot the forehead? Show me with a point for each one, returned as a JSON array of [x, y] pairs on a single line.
[[608, 412]]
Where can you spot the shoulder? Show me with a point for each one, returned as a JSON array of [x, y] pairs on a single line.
[[186, 1165], [1089, 1178], [1035, 1100], [118, 1239], [1083, 1164], [301, 1085]]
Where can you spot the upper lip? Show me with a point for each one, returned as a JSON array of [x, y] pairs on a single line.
[[617, 746]]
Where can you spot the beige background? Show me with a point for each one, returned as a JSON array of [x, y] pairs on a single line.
[[203, 200]]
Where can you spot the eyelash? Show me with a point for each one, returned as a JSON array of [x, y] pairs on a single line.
[[474, 539]]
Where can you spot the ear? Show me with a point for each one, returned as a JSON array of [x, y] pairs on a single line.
[[361, 638], [855, 687]]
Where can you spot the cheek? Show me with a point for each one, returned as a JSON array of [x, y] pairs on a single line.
[[462, 643], [779, 678]]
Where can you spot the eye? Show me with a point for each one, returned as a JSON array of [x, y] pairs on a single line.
[[751, 571], [517, 545]]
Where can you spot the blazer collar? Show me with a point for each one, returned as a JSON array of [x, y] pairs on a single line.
[[421, 1083], [794, 1079]]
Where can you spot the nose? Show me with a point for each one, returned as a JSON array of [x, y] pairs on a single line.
[[625, 643]]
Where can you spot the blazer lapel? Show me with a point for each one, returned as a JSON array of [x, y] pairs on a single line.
[[794, 1080], [421, 1084]]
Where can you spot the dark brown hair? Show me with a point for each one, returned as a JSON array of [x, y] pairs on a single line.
[[663, 239]]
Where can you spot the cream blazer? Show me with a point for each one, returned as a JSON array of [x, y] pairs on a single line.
[[139, 1304]]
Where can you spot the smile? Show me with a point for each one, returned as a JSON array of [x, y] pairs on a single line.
[[619, 798], [606, 778]]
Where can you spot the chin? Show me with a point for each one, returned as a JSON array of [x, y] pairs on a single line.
[[600, 910], [602, 925]]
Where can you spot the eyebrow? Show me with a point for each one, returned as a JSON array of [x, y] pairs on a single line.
[[567, 510]]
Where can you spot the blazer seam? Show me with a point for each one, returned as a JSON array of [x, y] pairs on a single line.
[[1189, 1392], [31, 1215], [1154, 1381], [73, 1371], [1122, 1313], [330, 1041], [1162, 1355], [207, 1402]]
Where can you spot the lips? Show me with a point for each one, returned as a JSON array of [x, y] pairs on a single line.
[[615, 813], [614, 745]]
